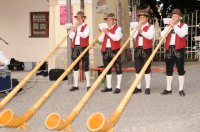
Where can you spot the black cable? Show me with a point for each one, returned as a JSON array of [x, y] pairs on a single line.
[[24, 88]]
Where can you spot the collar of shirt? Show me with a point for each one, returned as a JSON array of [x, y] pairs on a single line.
[[178, 24], [79, 27], [147, 24]]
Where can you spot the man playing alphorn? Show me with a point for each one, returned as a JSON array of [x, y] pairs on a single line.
[[175, 51], [80, 40], [110, 46], [143, 48]]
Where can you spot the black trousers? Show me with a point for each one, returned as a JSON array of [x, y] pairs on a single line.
[[76, 51], [108, 56], [141, 56], [175, 56]]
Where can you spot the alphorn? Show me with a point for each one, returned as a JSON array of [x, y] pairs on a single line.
[[97, 121], [9, 119], [54, 120], [27, 77]]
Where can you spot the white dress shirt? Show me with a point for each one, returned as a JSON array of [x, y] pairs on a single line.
[[3, 61], [148, 35], [79, 34], [181, 32], [115, 37]]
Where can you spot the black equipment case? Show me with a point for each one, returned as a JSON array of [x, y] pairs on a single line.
[[15, 65], [5, 81]]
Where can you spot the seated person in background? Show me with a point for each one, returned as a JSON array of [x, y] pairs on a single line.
[[3, 61]]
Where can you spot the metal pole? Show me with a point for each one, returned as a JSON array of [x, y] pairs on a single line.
[[191, 46], [82, 3], [196, 35], [69, 51], [188, 37]]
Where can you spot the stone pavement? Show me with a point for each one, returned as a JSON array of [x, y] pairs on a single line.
[[144, 113]]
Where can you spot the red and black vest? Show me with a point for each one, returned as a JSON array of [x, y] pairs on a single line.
[[114, 44], [83, 41], [146, 42], [179, 42]]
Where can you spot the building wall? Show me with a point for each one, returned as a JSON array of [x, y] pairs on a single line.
[[15, 28]]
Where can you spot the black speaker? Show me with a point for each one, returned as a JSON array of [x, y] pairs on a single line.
[[54, 74]]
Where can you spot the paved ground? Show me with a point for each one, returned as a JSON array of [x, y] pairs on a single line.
[[153, 113]]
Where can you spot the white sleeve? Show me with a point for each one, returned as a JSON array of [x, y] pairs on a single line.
[[150, 33], [101, 37], [135, 35], [72, 35], [85, 33], [164, 31], [117, 36], [181, 32]]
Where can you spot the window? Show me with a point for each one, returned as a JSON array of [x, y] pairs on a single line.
[[39, 24]]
